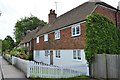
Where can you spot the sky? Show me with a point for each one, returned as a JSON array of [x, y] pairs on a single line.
[[13, 10]]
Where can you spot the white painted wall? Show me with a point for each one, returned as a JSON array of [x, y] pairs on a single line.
[[66, 58], [41, 57]]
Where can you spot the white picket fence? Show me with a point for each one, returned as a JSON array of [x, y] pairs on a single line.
[[45, 71], [32, 69]]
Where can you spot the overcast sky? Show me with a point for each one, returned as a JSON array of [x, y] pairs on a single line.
[[13, 10]]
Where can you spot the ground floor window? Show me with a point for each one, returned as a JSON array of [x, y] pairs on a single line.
[[57, 53], [77, 54], [46, 53], [37, 54]]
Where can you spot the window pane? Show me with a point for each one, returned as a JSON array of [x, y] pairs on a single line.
[[37, 40], [46, 53], [79, 54], [58, 53], [57, 34], [74, 54], [77, 30], [46, 37], [73, 31]]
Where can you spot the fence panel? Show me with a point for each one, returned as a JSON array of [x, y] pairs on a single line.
[[112, 66], [106, 66], [45, 71], [32, 69]]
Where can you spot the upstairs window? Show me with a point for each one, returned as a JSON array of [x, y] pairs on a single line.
[[57, 34], [57, 53], [77, 54], [76, 30], [37, 39], [27, 44], [45, 37]]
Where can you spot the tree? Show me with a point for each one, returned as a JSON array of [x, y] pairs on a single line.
[[7, 44], [26, 23], [101, 36]]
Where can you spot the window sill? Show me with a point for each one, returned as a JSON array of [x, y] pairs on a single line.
[[57, 38], [76, 60], [76, 35], [58, 58]]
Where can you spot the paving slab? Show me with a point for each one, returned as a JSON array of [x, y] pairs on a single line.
[[9, 71]]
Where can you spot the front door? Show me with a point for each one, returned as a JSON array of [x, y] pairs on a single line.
[[51, 57]]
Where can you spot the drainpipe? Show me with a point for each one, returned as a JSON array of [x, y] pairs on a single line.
[[116, 17]]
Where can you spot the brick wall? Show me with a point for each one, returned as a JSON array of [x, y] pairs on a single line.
[[109, 13], [66, 41]]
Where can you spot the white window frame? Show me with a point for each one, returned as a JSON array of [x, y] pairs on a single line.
[[45, 37], [27, 44], [38, 39], [74, 30], [37, 54], [58, 54], [24, 44], [57, 34], [77, 55], [46, 53]]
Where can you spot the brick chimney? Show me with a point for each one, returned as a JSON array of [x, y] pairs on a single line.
[[52, 16]]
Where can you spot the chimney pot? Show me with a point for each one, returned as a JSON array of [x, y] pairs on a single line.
[[52, 16]]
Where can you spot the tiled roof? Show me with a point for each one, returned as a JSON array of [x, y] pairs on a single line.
[[29, 36], [73, 16]]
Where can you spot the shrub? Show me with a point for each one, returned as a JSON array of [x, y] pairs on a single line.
[[22, 55], [101, 36]]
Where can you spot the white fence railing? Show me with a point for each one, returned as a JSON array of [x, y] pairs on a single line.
[[44, 71], [32, 69], [8, 58]]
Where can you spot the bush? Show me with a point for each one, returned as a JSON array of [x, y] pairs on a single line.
[[22, 55], [30, 56], [101, 36]]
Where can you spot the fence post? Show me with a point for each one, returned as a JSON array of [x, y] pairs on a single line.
[[61, 71], [28, 69], [12, 60]]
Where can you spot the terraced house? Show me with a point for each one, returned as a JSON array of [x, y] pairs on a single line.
[[62, 41]]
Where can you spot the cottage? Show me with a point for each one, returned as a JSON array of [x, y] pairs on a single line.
[[62, 41]]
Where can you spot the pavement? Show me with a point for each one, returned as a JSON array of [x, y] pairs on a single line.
[[9, 71]]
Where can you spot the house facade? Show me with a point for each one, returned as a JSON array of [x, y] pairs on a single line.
[[62, 41]]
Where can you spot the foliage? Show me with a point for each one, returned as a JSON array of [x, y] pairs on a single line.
[[101, 36], [30, 56], [14, 51], [19, 52], [22, 55], [24, 24], [7, 44]]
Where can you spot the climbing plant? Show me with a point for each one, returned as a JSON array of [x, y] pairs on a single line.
[[101, 36]]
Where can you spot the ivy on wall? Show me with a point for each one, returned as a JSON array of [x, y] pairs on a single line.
[[101, 36]]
